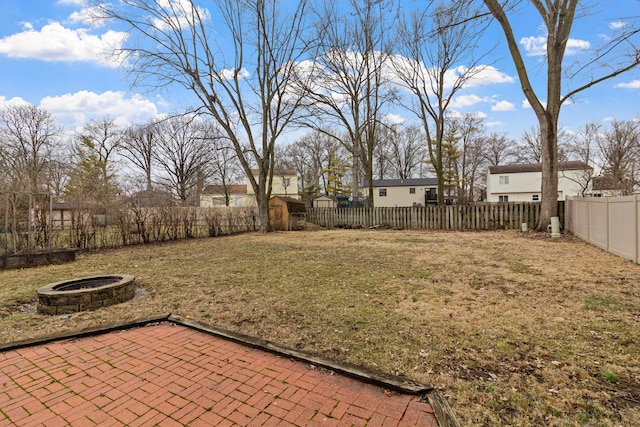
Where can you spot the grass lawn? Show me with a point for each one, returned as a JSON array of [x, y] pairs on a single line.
[[515, 329]]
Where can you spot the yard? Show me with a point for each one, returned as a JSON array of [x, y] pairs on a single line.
[[516, 329]]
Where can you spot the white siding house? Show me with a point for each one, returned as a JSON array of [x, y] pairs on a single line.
[[285, 184], [404, 192], [523, 183]]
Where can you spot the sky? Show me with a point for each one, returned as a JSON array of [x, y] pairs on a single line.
[[52, 56]]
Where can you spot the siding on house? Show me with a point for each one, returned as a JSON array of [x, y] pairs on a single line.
[[402, 192], [285, 184], [523, 182]]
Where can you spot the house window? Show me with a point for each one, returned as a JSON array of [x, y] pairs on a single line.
[[412, 191], [286, 182], [503, 198], [535, 197], [382, 192], [504, 180]]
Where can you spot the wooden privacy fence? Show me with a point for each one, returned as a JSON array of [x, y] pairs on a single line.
[[478, 216]]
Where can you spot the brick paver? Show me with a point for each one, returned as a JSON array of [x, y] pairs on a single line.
[[166, 374]]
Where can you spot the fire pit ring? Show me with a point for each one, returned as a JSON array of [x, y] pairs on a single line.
[[87, 293]]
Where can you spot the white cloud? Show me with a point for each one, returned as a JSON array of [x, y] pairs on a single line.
[[618, 25], [525, 103], [75, 109], [488, 75], [503, 106], [229, 74], [458, 114], [633, 84], [90, 16], [534, 46], [493, 124], [72, 2], [56, 43], [394, 119], [4, 102], [481, 76], [575, 46], [181, 12], [537, 45], [467, 101]]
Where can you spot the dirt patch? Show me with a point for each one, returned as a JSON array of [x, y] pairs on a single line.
[[517, 329]]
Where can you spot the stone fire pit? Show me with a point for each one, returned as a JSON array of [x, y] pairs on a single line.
[[87, 293]]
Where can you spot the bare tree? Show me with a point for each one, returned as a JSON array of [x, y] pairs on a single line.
[[223, 169], [183, 152], [249, 94], [433, 45], [138, 146], [382, 152], [583, 147], [471, 130], [618, 55], [407, 151], [350, 88], [29, 137], [499, 149], [619, 150], [530, 149], [311, 155]]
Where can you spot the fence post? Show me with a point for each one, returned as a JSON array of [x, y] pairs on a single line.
[[606, 218], [635, 219]]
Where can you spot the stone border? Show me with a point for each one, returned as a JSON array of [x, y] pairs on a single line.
[[38, 258], [52, 301]]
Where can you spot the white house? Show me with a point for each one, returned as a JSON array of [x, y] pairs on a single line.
[[285, 184], [404, 192], [523, 182]]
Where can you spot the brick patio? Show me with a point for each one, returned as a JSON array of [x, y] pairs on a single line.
[[168, 374]]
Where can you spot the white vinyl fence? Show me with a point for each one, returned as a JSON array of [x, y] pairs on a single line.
[[610, 223]]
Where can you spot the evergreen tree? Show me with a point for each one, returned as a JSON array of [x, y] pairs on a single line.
[[92, 179]]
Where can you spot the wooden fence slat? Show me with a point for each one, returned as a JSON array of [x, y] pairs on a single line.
[[478, 216]]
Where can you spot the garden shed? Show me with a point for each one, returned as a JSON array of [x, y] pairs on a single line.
[[285, 212], [324, 202]]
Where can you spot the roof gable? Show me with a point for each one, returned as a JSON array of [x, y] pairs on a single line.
[[537, 167], [412, 182]]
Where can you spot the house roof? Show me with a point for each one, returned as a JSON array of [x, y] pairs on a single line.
[[64, 206], [277, 172], [220, 189], [413, 182], [537, 167]]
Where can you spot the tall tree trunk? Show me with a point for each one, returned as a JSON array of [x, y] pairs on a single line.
[[549, 199]]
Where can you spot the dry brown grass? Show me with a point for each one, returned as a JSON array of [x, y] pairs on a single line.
[[516, 329]]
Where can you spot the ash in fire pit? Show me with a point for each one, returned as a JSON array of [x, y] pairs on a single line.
[[87, 293]]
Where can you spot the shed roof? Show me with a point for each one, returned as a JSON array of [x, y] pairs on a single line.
[[537, 167], [412, 182], [293, 205], [288, 199]]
